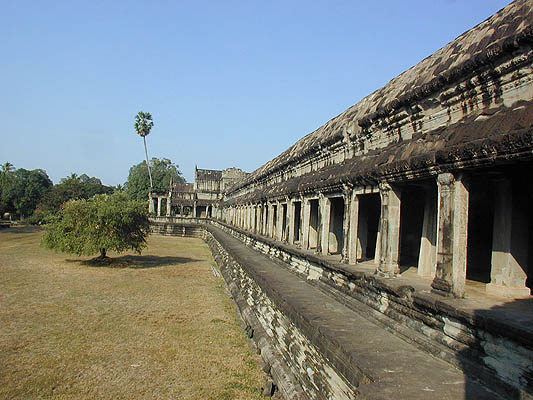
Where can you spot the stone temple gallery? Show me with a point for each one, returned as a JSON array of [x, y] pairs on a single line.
[[389, 253]]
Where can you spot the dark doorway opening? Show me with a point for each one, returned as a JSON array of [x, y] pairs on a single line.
[[336, 226], [411, 221], [297, 220], [201, 211], [368, 225], [480, 228], [313, 223]]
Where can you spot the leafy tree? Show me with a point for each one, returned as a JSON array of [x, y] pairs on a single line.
[[23, 191], [163, 171], [71, 188], [101, 223], [7, 167], [143, 126]]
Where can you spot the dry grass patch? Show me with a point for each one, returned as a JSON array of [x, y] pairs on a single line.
[[155, 326]]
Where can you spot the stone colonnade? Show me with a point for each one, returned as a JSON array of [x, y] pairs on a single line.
[[156, 201], [393, 224]]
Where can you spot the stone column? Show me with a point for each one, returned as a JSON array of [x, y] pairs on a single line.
[[254, 218], [169, 200], [354, 223], [259, 222], [194, 210], [301, 221], [306, 210], [325, 214], [279, 226], [346, 222], [158, 206], [262, 224], [290, 221], [450, 274], [271, 231], [390, 230], [509, 243], [427, 259], [150, 204]]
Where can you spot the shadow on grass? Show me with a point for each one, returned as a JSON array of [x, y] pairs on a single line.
[[131, 261], [22, 229]]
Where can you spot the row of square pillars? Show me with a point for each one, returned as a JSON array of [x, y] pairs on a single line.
[[453, 228], [157, 203]]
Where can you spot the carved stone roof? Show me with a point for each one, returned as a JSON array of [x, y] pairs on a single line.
[[491, 40], [183, 187], [208, 174], [474, 142]]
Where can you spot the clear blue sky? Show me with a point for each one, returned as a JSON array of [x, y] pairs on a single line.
[[229, 83]]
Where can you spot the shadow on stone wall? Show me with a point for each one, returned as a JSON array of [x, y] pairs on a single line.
[[507, 351]]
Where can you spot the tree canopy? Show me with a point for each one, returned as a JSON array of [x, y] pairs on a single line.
[[163, 170], [96, 225], [22, 190], [71, 188]]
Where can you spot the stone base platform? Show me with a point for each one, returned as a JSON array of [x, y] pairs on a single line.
[[333, 351]]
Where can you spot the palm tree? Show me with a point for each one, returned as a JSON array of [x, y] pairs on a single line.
[[143, 125], [6, 169]]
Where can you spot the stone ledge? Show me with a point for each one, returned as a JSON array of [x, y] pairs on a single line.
[[374, 360], [444, 327], [406, 294]]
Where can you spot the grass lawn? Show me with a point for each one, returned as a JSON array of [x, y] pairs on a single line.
[[157, 326]]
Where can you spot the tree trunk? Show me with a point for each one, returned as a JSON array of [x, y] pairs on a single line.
[[102, 253], [147, 163]]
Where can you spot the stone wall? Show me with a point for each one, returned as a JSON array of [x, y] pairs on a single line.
[[496, 353]]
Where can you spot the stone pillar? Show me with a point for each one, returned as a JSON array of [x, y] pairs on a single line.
[[150, 204], [254, 218], [169, 201], [427, 260], [306, 211], [325, 214], [279, 226], [158, 206], [262, 224], [271, 231], [346, 222], [301, 221], [194, 210], [450, 274], [259, 228], [509, 243], [390, 230], [290, 220], [353, 231]]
